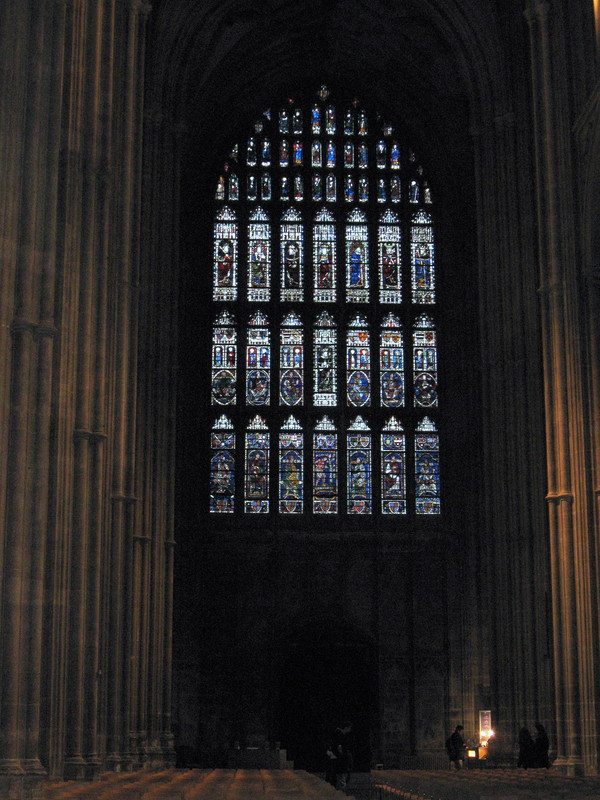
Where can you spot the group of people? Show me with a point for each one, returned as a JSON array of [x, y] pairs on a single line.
[[533, 753], [339, 756]]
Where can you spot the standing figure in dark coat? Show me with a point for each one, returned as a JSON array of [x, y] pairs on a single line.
[[526, 749], [541, 747], [455, 745]]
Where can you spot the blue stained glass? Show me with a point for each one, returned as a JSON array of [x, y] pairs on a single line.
[[359, 477], [381, 190], [325, 469], [298, 153], [358, 365], [258, 363], [285, 187], [316, 119], [349, 189], [427, 468], [222, 468], [363, 156], [291, 363], [291, 468], [224, 362], [284, 121], [393, 469], [425, 363], [225, 256], [395, 156], [330, 161], [266, 153], [422, 258], [257, 472], [392, 368]]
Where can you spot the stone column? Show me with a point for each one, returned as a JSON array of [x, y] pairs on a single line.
[[573, 614]]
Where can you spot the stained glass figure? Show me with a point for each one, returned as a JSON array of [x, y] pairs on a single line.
[[317, 186], [391, 362], [395, 155], [413, 191], [422, 258], [258, 126], [427, 468], [265, 186], [357, 258], [359, 473], [426, 193], [330, 120], [284, 153], [348, 155], [284, 121], [258, 361], [325, 468], [363, 127], [220, 192], [234, 187], [381, 190], [265, 159], [291, 361], [330, 190], [393, 468], [330, 160], [349, 123], [222, 467], [251, 184], [291, 467], [324, 258], [298, 153], [224, 361], [395, 188], [358, 362], [285, 188], [425, 362], [292, 256], [297, 121], [316, 119], [298, 187], [316, 154], [256, 489], [389, 257], [363, 189], [363, 156], [251, 152], [325, 361], [349, 189], [259, 257], [380, 154], [225, 255]]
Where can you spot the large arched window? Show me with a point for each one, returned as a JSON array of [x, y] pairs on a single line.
[[324, 305]]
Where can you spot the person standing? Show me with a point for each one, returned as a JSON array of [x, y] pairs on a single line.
[[455, 746], [541, 747], [526, 749], [342, 749]]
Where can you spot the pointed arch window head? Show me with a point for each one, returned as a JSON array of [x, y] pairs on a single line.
[[393, 468], [427, 468], [325, 468], [291, 467], [222, 467], [425, 362]]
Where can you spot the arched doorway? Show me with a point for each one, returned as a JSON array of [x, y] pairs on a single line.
[[327, 675]]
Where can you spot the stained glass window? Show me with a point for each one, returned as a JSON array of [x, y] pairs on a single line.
[[324, 258], [225, 255], [224, 361], [389, 257], [325, 468], [427, 468], [393, 468], [391, 362], [422, 258], [357, 258], [325, 362], [291, 467], [358, 362], [359, 473], [425, 362], [291, 361], [222, 467], [292, 256], [258, 361], [256, 489], [259, 257]]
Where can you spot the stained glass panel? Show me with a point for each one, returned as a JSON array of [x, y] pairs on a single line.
[[358, 363], [259, 257], [224, 361], [359, 477], [225, 255], [291, 468], [324, 258], [292, 256], [325, 468], [256, 488], [291, 361], [427, 468], [391, 363], [258, 361], [425, 362], [357, 258], [389, 257], [325, 363], [393, 469], [222, 467], [422, 258]]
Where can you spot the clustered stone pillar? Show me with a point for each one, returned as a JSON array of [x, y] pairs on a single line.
[[569, 495], [86, 421]]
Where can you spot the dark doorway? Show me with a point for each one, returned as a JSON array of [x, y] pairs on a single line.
[[326, 678]]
